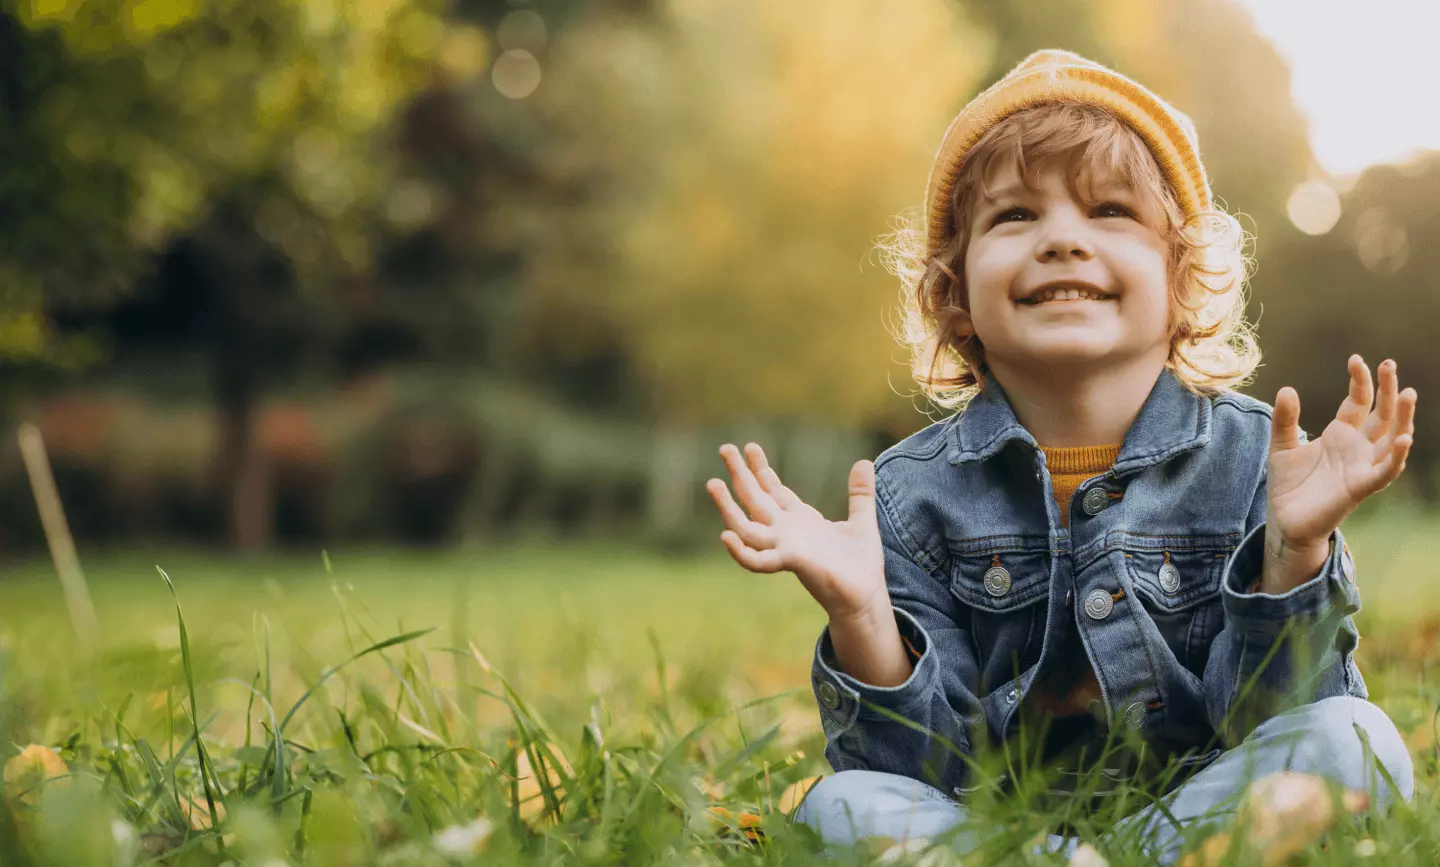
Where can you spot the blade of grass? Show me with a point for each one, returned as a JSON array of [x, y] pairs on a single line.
[[330, 672], [278, 776], [207, 770]]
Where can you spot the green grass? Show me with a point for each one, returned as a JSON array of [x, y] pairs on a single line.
[[651, 687]]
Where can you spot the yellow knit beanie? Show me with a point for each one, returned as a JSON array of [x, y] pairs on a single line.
[[1054, 75]]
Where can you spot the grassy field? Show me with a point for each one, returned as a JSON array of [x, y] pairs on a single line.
[[646, 689]]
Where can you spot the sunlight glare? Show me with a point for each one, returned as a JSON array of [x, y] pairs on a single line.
[[1314, 207], [1360, 72]]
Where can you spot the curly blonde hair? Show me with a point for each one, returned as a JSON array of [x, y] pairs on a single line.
[[1212, 346]]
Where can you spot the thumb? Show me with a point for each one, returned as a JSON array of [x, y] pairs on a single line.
[[862, 491], [1285, 421]]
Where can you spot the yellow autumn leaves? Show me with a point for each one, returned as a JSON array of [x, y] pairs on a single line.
[[27, 774]]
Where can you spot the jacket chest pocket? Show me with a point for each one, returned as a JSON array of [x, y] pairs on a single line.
[[1004, 593], [1180, 590]]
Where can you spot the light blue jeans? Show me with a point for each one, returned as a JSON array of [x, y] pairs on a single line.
[[1320, 738]]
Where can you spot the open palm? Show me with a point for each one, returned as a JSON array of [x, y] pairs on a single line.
[[1314, 485], [840, 563]]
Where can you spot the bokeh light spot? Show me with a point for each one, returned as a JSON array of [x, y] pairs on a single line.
[[521, 30], [1381, 241], [516, 74], [1314, 207], [465, 51]]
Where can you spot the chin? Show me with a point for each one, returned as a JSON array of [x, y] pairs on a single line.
[[1070, 353]]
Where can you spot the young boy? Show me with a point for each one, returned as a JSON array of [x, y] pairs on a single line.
[[1107, 539]]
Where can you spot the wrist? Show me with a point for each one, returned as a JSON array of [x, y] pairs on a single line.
[[1289, 563], [869, 647], [875, 612]]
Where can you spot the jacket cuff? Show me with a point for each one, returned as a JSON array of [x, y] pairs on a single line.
[[1332, 588], [844, 698]]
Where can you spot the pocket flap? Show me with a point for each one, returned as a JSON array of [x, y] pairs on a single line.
[[1176, 580], [1000, 580]]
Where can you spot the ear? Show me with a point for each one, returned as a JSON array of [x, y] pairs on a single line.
[[963, 327]]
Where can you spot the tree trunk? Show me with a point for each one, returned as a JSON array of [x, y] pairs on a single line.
[[245, 485]]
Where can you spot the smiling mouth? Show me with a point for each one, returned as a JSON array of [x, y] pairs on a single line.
[[1052, 297]]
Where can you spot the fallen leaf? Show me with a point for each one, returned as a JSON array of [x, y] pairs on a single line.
[[796, 792], [197, 812], [1211, 852], [1284, 813], [748, 823], [27, 773], [531, 797]]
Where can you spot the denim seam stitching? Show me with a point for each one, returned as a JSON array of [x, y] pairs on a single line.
[[899, 450], [908, 546]]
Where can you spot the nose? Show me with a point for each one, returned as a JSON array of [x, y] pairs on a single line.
[[1062, 243]]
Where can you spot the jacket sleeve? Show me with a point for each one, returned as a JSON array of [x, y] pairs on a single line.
[[938, 697], [1277, 652]]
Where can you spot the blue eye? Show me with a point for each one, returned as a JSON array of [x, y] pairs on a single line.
[[1012, 215]]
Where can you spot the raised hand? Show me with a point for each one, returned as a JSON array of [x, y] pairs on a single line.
[[840, 563], [1314, 485]]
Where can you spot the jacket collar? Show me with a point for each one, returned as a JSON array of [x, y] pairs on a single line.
[[1172, 420]]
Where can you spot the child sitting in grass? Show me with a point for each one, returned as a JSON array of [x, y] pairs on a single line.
[[1106, 547]]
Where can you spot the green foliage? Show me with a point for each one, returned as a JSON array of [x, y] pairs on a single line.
[[128, 120]]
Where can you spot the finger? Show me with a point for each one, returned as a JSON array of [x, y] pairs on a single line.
[[756, 561], [1379, 421], [1389, 468], [1405, 412], [1285, 421], [1403, 424], [1356, 404], [862, 492], [757, 536], [761, 506], [769, 479]]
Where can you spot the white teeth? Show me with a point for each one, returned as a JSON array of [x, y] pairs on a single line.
[[1065, 294]]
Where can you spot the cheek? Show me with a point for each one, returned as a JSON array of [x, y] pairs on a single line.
[[989, 271], [1147, 270]]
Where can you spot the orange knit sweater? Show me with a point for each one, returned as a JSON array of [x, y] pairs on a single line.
[[1069, 694], [1069, 467]]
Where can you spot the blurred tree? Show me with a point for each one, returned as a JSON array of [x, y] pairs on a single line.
[[754, 154], [62, 213], [254, 131], [1018, 31]]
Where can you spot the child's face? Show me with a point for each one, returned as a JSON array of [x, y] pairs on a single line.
[[1024, 240]]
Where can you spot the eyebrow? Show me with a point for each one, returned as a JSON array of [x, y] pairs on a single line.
[[1112, 186], [1009, 189]]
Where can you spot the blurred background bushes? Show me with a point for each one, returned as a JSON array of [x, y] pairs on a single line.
[[303, 271]]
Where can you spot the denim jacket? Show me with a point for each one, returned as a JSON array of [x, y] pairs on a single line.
[[1181, 651]]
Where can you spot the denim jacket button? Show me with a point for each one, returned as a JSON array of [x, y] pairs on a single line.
[[1099, 604], [1011, 696], [1135, 715], [829, 696], [1169, 578], [997, 581], [1096, 500]]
